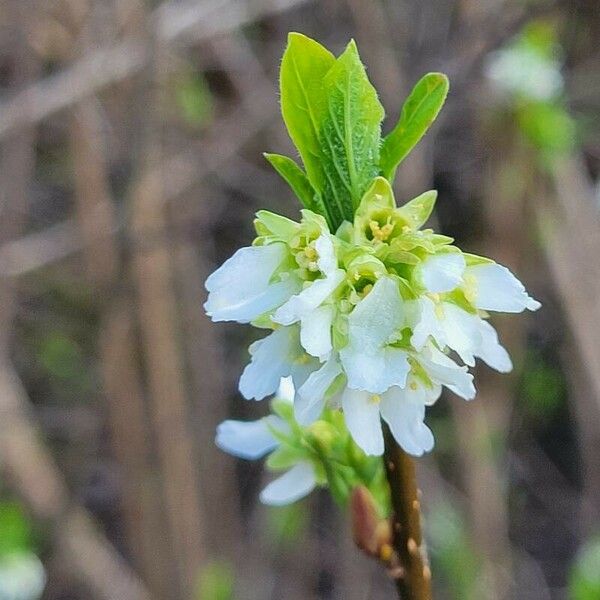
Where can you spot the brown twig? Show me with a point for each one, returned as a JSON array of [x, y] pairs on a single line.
[[413, 577]]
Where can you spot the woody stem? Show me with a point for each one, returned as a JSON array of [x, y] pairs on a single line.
[[413, 580]]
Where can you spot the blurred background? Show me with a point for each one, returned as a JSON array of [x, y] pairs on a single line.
[[131, 135]]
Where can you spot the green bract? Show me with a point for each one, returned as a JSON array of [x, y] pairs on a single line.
[[339, 463], [334, 117]]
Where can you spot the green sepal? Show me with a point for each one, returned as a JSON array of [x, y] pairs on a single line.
[[284, 457], [271, 225], [418, 113], [378, 195], [419, 209], [474, 259]]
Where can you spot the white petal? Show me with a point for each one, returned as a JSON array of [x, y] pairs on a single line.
[[361, 414], [302, 368], [491, 351], [299, 481], [461, 331], [249, 439], [427, 324], [368, 361], [272, 359], [404, 411], [327, 261], [445, 371], [286, 389], [442, 272], [375, 371], [378, 316], [239, 290], [315, 331], [302, 304], [310, 399], [498, 289]]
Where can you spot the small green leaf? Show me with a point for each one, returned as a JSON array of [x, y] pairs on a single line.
[[303, 101], [418, 113], [419, 209], [296, 179], [351, 133]]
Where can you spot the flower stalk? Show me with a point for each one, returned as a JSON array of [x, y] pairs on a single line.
[[413, 576]]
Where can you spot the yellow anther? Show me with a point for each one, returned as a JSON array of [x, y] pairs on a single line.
[[381, 233], [413, 386], [375, 399], [310, 253], [303, 359]]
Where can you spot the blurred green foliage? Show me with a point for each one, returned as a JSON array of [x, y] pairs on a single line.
[[216, 582], [453, 557], [194, 99], [584, 582], [528, 72], [15, 530], [544, 387], [286, 524], [60, 355]]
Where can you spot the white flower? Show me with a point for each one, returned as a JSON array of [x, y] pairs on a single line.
[[370, 362], [241, 289], [493, 287], [296, 483], [249, 439], [465, 333], [255, 439], [275, 356], [442, 370], [402, 409], [311, 396], [441, 272], [315, 320]]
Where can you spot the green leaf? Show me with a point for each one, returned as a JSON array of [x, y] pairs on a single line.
[[303, 101], [418, 113], [350, 135], [297, 180]]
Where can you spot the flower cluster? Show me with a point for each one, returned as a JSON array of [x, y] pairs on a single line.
[[322, 454], [373, 318]]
